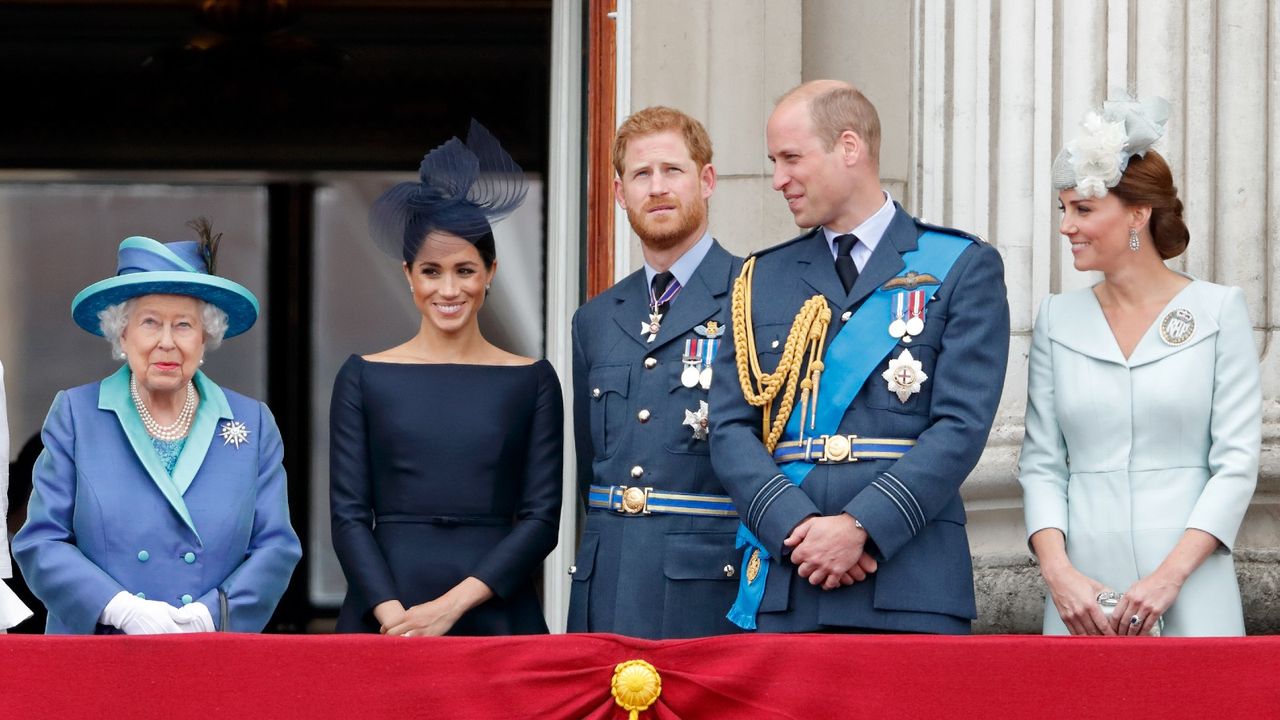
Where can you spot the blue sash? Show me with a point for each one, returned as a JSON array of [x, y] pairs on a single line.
[[855, 352]]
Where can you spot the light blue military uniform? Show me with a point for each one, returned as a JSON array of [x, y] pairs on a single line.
[[658, 561]]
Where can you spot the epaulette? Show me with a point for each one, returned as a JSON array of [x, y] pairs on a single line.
[[787, 243], [947, 230]]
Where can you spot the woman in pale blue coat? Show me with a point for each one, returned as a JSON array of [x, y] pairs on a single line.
[[1143, 425], [159, 501]]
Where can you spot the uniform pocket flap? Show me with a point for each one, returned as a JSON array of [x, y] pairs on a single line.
[[609, 379], [586, 561], [701, 556]]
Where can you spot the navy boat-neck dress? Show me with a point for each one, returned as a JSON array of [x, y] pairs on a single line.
[[440, 472]]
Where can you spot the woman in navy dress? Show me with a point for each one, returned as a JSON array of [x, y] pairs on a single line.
[[446, 451]]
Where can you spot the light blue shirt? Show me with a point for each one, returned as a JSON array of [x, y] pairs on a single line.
[[688, 262], [869, 233]]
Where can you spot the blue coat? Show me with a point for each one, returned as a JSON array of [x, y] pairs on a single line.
[[105, 516], [656, 575], [925, 579]]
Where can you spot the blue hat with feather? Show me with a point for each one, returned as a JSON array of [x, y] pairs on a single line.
[[148, 267]]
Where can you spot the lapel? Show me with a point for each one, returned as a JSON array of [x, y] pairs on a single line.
[[113, 395], [697, 300], [886, 260], [1079, 324], [695, 303], [632, 297], [213, 407], [1152, 347], [820, 272]]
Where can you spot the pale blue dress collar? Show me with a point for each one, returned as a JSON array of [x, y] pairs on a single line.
[[113, 395]]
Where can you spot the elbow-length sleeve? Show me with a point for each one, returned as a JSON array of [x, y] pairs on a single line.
[[537, 523], [1042, 467], [255, 587], [70, 585], [1235, 426], [351, 493]]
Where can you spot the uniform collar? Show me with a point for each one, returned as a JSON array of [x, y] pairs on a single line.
[[871, 229], [683, 268]]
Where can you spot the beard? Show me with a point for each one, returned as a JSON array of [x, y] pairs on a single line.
[[667, 233]]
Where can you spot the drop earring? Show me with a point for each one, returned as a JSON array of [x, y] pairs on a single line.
[[1133, 239]]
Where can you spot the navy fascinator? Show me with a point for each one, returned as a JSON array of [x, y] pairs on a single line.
[[462, 189]]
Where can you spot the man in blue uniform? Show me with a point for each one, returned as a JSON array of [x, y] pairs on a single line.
[[873, 355], [657, 558]]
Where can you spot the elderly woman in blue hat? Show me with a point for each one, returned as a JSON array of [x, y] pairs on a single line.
[[159, 501]]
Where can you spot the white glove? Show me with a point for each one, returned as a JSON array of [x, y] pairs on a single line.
[[193, 617], [136, 616]]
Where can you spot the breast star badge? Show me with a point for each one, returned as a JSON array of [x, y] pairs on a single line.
[[697, 420], [233, 432], [905, 376]]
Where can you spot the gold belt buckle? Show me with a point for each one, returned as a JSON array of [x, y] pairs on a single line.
[[635, 500], [836, 448]]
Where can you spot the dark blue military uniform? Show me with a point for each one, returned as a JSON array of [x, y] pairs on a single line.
[[657, 557], [910, 506]]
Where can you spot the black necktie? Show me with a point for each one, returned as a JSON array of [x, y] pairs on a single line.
[[845, 267], [660, 283]]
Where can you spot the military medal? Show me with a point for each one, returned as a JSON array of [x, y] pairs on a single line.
[[905, 376], [697, 359], [654, 324], [1177, 327], [898, 315], [697, 420], [915, 312]]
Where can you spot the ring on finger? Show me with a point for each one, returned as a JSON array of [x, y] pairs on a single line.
[[1135, 621]]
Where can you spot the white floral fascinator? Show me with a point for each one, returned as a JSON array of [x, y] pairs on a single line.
[[1096, 159]]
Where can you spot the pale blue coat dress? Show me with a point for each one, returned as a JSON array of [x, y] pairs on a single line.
[[1124, 455]]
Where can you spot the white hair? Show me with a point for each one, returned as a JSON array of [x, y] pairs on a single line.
[[113, 319]]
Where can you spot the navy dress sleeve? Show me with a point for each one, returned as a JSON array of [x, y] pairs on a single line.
[[351, 493], [537, 517]]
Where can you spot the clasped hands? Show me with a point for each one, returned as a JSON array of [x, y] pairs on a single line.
[[136, 616], [830, 551], [431, 618]]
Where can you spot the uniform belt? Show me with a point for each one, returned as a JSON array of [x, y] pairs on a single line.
[[636, 500], [496, 520], [841, 449]]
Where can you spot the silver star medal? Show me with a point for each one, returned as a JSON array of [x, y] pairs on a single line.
[[905, 376], [233, 432], [697, 420], [651, 327]]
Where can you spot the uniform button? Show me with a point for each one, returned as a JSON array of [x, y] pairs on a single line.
[[845, 317], [189, 558], [650, 363], [573, 569], [141, 595], [643, 416], [187, 599], [728, 571], [595, 392], [773, 344], [637, 471], [143, 556]]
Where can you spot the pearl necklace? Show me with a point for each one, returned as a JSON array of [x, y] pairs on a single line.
[[175, 431]]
